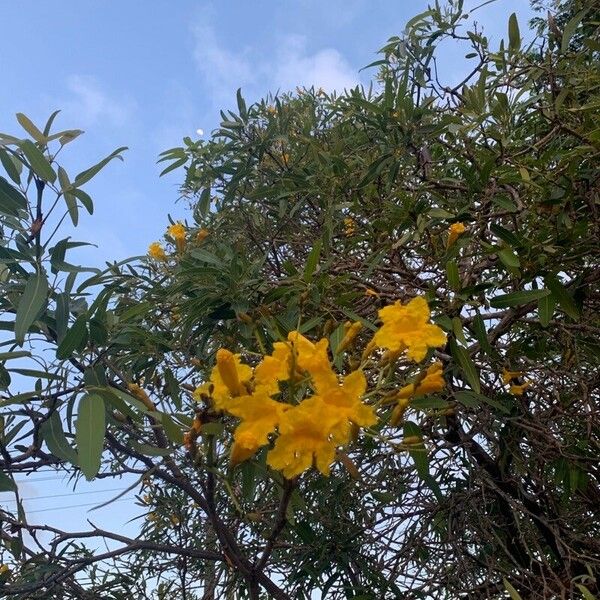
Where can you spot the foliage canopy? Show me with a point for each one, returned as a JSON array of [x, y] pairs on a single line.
[[312, 212]]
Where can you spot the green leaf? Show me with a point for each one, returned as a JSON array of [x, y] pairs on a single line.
[[38, 162], [514, 35], [509, 258], [570, 29], [480, 332], [49, 122], [15, 354], [30, 128], [174, 165], [453, 275], [546, 306], [30, 305], [518, 298], [473, 400], [61, 315], [86, 175], [172, 429], [55, 439], [462, 358], [9, 166], [90, 429], [457, 329], [11, 199], [4, 377], [72, 207], [6, 483], [312, 261], [562, 296], [151, 450], [84, 198], [511, 590], [585, 592], [74, 338]]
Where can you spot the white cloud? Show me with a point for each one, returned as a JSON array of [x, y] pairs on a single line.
[[91, 105], [326, 68], [280, 68]]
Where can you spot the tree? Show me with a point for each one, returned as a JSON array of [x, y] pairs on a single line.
[[397, 457]]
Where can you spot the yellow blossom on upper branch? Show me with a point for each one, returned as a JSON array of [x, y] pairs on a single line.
[[156, 251], [177, 232], [407, 327], [508, 376], [454, 231]]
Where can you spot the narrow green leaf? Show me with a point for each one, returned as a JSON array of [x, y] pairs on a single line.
[[514, 35], [86, 175], [480, 332], [511, 590], [38, 162], [85, 199], [570, 29], [312, 261], [90, 429], [562, 296], [453, 275], [474, 400], [71, 203], [61, 315], [546, 306], [15, 354], [30, 128], [509, 258], [55, 439], [11, 199], [6, 483], [585, 592], [457, 328], [172, 430], [9, 166], [518, 298], [73, 339], [49, 122], [30, 304], [462, 358], [4, 377], [174, 165]]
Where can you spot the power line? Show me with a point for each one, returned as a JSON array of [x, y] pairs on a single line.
[[65, 495], [41, 510]]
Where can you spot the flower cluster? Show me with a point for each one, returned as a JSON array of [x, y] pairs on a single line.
[[295, 397], [178, 235]]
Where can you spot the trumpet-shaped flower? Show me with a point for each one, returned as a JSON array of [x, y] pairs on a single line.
[[454, 231], [156, 251], [305, 437], [313, 358], [407, 327]]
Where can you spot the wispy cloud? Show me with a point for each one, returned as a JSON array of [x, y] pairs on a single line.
[[91, 104], [281, 67]]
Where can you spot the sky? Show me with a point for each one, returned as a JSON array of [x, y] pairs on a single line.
[[145, 73]]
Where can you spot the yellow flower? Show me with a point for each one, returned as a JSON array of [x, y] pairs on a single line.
[[260, 416], [156, 251], [177, 232], [351, 331], [407, 327], [433, 380], [454, 231], [313, 358], [349, 226], [304, 437], [271, 109], [508, 376], [228, 380], [202, 235], [274, 368], [346, 400], [517, 390], [4, 569]]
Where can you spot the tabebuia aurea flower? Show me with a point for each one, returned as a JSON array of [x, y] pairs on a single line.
[[177, 232], [317, 410], [156, 251], [454, 231]]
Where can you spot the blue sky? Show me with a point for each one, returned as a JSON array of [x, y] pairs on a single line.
[[144, 73]]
